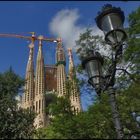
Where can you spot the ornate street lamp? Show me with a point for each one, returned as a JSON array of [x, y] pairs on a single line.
[[93, 64], [110, 20]]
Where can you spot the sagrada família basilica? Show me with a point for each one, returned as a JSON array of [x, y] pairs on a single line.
[[48, 79]]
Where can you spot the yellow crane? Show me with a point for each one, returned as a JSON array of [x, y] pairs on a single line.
[[32, 38]]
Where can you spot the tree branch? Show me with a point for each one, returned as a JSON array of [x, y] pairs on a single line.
[[125, 71]]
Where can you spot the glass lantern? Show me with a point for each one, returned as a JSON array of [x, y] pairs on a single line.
[[92, 63], [110, 20]]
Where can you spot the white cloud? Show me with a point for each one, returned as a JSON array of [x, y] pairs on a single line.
[[64, 25]]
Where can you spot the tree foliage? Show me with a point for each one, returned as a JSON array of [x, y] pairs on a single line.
[[14, 122], [88, 41], [128, 103], [132, 52]]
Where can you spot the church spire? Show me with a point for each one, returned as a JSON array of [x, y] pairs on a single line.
[[28, 96], [60, 55], [39, 102], [74, 94], [71, 64], [61, 74]]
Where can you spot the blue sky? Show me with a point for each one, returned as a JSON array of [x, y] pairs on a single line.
[[52, 19]]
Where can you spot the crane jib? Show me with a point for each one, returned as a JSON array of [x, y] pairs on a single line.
[[32, 38]]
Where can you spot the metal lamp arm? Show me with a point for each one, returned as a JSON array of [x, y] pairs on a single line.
[[112, 68]]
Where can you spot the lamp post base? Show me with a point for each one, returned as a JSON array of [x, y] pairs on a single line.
[[116, 119]]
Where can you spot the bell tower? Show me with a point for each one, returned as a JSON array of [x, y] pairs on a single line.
[[28, 96], [61, 74], [39, 100], [74, 90]]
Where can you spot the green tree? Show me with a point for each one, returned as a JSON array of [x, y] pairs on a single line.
[[97, 122], [14, 122], [61, 113], [128, 103], [129, 98], [94, 123], [87, 41], [133, 50]]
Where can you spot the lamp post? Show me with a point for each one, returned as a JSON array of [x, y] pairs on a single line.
[[110, 20]]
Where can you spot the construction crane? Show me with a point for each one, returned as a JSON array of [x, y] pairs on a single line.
[[31, 38]]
